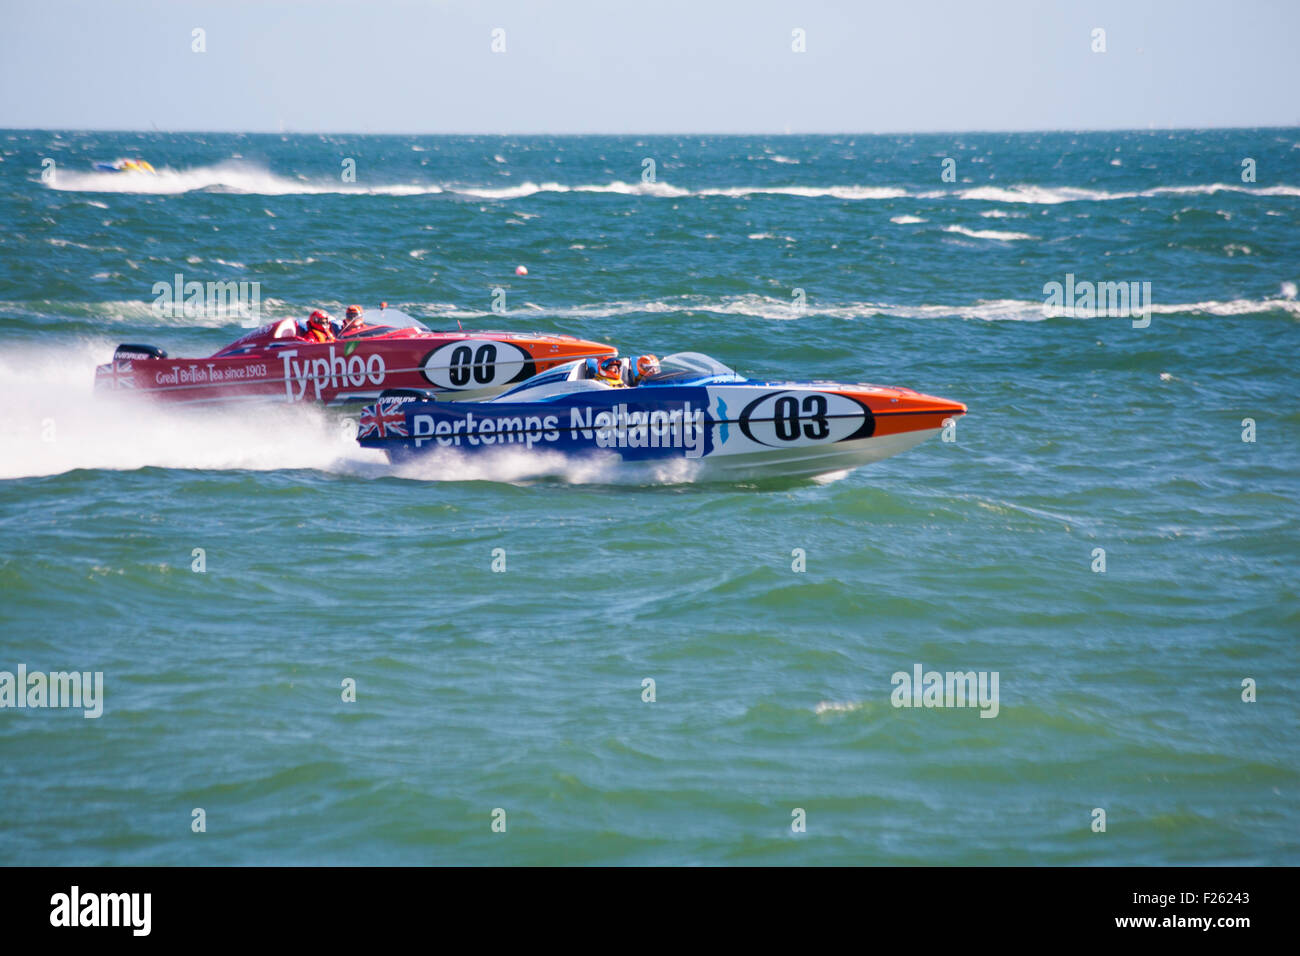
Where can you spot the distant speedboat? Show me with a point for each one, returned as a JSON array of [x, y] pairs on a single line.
[[691, 407], [125, 166]]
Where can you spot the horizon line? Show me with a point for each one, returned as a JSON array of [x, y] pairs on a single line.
[[498, 133]]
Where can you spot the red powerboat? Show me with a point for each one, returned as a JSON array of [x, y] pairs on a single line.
[[386, 349]]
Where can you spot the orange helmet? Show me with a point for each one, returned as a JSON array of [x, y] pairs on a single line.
[[647, 365], [320, 319], [353, 312], [610, 368]]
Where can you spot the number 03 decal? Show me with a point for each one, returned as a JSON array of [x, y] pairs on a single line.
[[805, 418], [476, 363], [792, 417]]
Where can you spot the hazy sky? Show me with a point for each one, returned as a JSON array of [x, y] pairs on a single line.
[[647, 66]]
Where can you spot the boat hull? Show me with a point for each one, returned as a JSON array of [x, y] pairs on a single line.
[[814, 461], [732, 430], [458, 366]]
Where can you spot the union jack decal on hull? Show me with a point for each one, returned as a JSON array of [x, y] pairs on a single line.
[[115, 375], [382, 420]]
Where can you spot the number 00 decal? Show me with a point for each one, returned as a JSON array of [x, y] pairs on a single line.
[[805, 418], [476, 363]]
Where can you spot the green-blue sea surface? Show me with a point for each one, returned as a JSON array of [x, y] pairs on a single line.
[[520, 695]]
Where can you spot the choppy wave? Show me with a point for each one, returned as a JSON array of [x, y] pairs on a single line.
[[140, 313], [525, 189], [1053, 195], [245, 178], [839, 707], [772, 307], [440, 314], [667, 191], [232, 177], [988, 233]]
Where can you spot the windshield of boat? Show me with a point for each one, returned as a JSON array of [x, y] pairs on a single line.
[[679, 368], [690, 365], [392, 319]]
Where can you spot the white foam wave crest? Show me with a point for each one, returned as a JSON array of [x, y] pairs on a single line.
[[811, 192], [1052, 195], [242, 177], [838, 707], [1046, 195], [751, 305], [1024, 194], [232, 177], [774, 308], [141, 313], [53, 423], [988, 233], [525, 189], [667, 191], [1230, 307], [1028, 310]]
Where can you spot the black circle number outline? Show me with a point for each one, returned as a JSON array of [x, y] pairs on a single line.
[[811, 419], [466, 364]]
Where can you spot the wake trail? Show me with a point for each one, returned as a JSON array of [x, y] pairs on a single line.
[[54, 423]]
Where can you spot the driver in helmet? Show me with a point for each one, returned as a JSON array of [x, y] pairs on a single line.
[[644, 367], [320, 326], [351, 320], [609, 371]]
